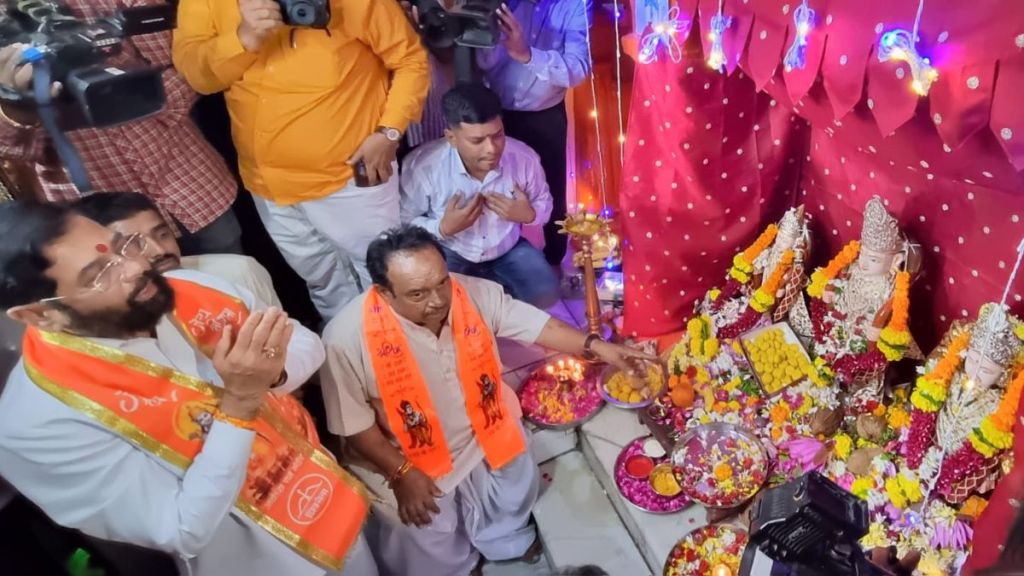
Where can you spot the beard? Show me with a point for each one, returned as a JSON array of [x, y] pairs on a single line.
[[136, 318]]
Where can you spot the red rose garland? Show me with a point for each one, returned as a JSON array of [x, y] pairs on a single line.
[[919, 436]]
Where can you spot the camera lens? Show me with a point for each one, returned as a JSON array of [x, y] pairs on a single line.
[[302, 14]]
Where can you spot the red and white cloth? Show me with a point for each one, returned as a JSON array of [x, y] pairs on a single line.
[[711, 160]]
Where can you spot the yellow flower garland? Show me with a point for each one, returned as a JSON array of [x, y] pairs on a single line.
[[930, 392], [895, 337], [822, 276], [743, 263], [764, 297], [995, 433], [703, 345]]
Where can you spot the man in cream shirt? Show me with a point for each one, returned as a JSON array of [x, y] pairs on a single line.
[[66, 275], [443, 523]]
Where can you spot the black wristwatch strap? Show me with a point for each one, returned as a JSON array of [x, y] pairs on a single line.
[[587, 352]]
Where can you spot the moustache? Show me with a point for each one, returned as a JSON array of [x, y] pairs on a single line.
[[147, 277], [166, 262]]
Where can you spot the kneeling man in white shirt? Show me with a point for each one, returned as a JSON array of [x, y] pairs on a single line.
[[146, 410], [475, 189]]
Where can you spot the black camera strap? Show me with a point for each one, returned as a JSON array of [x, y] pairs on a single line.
[[41, 80]]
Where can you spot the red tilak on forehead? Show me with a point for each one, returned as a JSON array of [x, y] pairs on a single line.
[[102, 248]]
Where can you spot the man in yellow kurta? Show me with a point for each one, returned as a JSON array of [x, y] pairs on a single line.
[[308, 107], [413, 382]]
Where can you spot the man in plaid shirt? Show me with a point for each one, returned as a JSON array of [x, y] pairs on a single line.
[[164, 157]]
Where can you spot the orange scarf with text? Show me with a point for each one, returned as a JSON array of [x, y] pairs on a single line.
[[294, 489], [407, 402]]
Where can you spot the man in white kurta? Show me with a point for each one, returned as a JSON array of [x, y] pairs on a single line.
[[85, 476], [133, 213]]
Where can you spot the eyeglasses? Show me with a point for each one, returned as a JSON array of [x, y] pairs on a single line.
[[112, 272]]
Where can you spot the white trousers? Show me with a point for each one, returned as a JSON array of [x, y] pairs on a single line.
[[325, 240], [487, 514]]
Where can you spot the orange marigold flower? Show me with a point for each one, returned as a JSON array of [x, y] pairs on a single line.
[[779, 414], [723, 471]]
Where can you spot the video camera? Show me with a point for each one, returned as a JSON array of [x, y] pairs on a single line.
[[74, 53], [474, 24], [809, 526], [95, 93]]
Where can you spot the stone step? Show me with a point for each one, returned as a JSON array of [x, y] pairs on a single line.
[[550, 444], [578, 524], [601, 441]]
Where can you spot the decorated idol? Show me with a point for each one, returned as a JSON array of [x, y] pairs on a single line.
[[963, 406], [858, 307], [765, 279]]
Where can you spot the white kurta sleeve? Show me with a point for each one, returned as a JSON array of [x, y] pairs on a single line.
[[88, 478], [305, 352]]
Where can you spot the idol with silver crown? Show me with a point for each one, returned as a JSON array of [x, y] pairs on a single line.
[[858, 309], [964, 404], [774, 261]]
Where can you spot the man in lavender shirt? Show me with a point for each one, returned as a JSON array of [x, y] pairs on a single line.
[[542, 54]]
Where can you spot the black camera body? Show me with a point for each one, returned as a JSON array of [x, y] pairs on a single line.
[[75, 53], [474, 24], [809, 526], [306, 13]]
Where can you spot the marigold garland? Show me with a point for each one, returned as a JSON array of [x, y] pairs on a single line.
[[743, 263], [764, 297], [930, 392], [995, 433], [895, 337], [822, 276]]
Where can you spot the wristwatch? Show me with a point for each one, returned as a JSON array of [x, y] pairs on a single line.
[[390, 133]]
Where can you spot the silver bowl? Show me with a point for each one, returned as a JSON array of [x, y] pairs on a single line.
[[708, 434]]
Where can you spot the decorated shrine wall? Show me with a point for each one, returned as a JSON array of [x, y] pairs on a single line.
[[712, 158]]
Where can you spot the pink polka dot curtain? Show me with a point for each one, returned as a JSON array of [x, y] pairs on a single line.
[[711, 158]]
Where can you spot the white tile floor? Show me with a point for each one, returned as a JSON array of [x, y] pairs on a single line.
[[602, 440], [577, 522], [519, 360]]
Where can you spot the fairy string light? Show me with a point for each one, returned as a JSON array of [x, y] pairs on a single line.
[[618, 89], [796, 56], [667, 34], [601, 177], [901, 46], [719, 23]]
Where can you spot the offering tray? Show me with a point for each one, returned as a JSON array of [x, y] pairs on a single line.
[[707, 551], [561, 396], [637, 489], [785, 361], [656, 381], [720, 465]]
